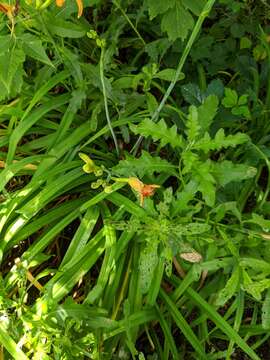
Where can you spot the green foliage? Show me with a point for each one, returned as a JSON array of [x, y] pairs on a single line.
[[134, 208], [144, 165], [159, 132]]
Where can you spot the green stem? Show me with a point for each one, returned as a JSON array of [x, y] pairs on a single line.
[[129, 21], [181, 63], [101, 72]]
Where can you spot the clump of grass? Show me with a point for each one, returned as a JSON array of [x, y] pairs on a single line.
[[134, 179]]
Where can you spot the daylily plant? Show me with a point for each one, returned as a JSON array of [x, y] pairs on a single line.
[[143, 190]]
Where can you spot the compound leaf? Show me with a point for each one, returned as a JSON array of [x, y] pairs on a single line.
[[159, 132], [146, 164]]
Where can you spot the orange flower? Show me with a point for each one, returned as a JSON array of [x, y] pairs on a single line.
[[142, 189], [7, 9], [60, 3]]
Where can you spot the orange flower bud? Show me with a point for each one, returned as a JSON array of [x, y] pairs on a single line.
[[60, 3]]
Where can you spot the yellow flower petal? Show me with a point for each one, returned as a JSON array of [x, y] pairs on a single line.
[[80, 7]]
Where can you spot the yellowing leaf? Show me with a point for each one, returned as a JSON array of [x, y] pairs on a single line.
[[193, 257]]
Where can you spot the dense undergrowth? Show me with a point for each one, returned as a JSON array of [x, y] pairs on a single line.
[[134, 156]]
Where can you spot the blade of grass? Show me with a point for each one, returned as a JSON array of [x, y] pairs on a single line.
[[10, 345], [221, 323], [183, 325]]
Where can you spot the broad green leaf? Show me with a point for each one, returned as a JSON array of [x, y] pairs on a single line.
[[152, 103], [5, 41], [192, 229], [226, 207], [260, 220], [206, 182], [32, 46], [159, 132], [168, 75], [146, 164], [65, 29], [196, 6], [177, 22], [185, 196], [10, 63], [192, 94], [157, 7], [230, 288], [147, 264], [230, 99], [207, 111], [226, 171]]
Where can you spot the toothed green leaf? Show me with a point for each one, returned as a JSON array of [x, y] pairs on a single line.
[[159, 132], [220, 141], [144, 165]]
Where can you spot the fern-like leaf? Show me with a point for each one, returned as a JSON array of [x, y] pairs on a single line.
[[145, 165], [220, 141], [193, 127], [159, 132]]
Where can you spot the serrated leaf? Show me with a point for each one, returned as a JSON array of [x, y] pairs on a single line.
[[231, 98], [230, 288], [196, 6], [220, 141], [185, 196], [207, 111], [177, 22], [145, 165], [256, 288], [159, 132], [226, 171], [206, 183], [259, 220], [193, 127], [222, 209], [157, 7], [152, 103], [32, 46]]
